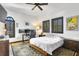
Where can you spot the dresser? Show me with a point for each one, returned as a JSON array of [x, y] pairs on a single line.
[[4, 48], [72, 45]]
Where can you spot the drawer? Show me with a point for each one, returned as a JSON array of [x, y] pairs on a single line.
[[70, 44], [4, 48]]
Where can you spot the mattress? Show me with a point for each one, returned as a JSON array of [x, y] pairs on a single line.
[[48, 44]]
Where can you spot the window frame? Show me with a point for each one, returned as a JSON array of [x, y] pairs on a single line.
[[10, 28], [47, 23], [52, 25]]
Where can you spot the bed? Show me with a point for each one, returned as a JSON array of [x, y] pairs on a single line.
[[46, 44]]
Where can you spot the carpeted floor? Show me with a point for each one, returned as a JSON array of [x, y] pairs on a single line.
[[63, 52], [23, 49]]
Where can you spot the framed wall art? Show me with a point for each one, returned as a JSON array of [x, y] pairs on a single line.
[[72, 23]]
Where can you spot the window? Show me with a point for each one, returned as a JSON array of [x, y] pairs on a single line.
[[46, 26], [57, 25], [10, 27]]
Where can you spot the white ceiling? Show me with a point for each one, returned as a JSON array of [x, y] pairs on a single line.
[[47, 13]]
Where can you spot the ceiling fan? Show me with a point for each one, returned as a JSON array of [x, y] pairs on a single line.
[[38, 5]]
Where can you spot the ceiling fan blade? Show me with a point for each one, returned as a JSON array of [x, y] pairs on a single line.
[[40, 8], [43, 3], [34, 7], [31, 3]]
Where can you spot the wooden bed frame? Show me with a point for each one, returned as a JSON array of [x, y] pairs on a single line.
[[69, 44], [39, 50]]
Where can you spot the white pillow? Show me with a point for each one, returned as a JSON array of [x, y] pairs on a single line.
[[49, 35]]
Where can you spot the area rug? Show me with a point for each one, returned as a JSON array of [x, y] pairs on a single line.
[[63, 52], [23, 49]]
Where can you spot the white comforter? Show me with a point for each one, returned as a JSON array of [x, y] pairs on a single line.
[[48, 44]]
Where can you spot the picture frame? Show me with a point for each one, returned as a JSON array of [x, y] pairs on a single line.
[[72, 23]]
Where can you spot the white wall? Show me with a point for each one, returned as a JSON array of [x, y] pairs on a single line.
[[23, 12], [74, 35], [2, 28], [19, 19]]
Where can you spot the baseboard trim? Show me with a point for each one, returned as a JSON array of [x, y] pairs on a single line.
[[17, 41]]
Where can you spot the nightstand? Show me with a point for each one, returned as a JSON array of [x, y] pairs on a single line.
[[41, 35]]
